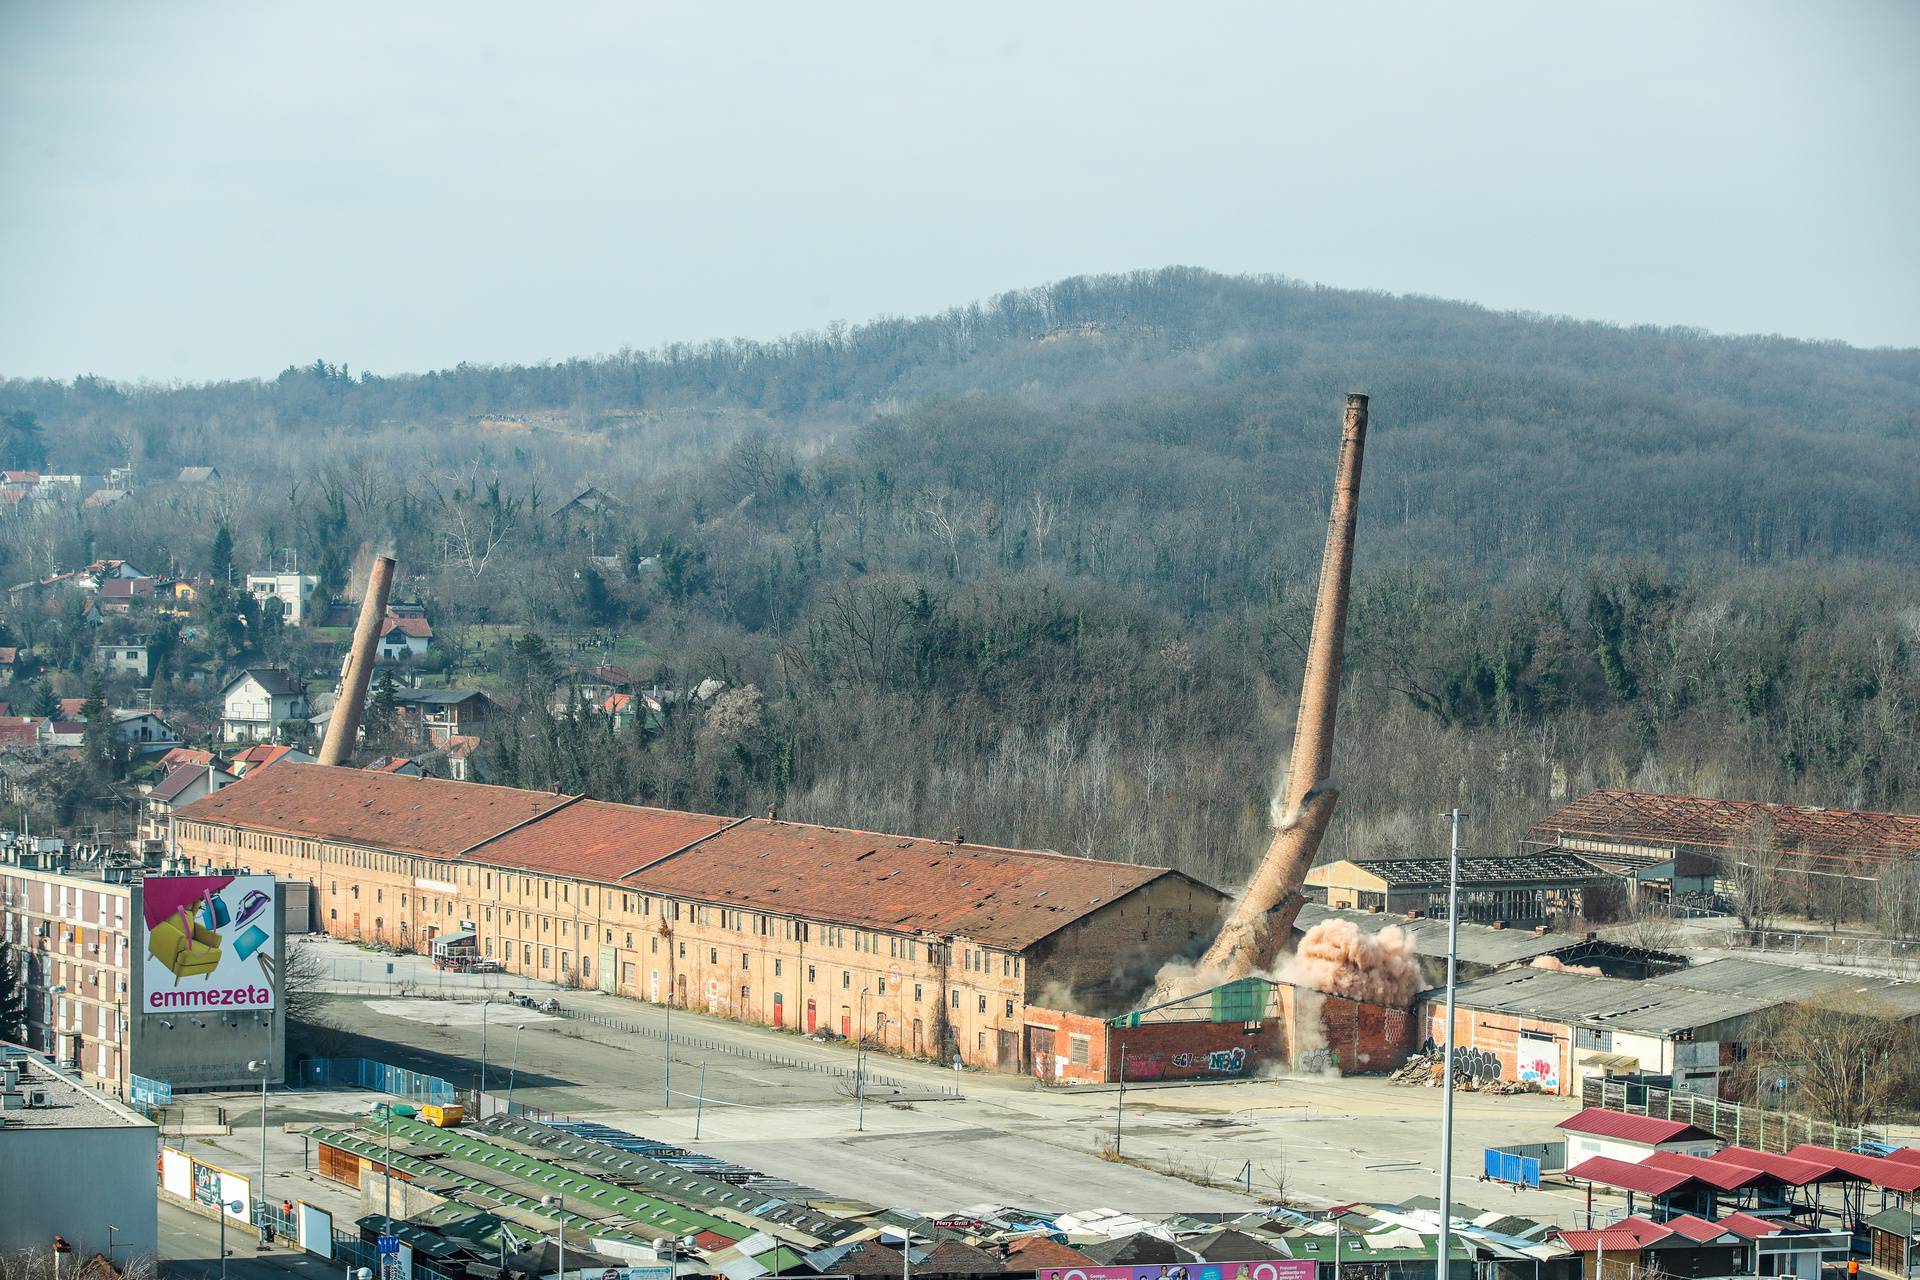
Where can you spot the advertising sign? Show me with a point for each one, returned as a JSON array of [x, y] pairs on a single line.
[[1276, 1269], [210, 944]]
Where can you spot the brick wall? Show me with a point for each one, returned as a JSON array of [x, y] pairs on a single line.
[[1347, 1036], [1501, 1046]]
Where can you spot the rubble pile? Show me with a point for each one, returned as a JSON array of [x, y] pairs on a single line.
[[1423, 1071]]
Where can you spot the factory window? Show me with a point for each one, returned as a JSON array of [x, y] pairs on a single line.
[[883, 986], [683, 951], [545, 924], [629, 937], [489, 879], [776, 968], [377, 922], [546, 888], [916, 993], [956, 999], [846, 978], [489, 950], [655, 949], [379, 895], [983, 1004], [356, 893], [333, 915], [586, 899], [1009, 1008], [1006, 971], [809, 973], [746, 962], [1016, 966], [1079, 1050], [546, 956], [527, 958], [646, 905], [403, 900], [713, 955]]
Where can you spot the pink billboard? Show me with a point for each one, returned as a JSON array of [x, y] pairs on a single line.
[[1274, 1269]]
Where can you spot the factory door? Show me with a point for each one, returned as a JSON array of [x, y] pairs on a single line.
[[1040, 1052], [683, 993], [813, 1018], [846, 1023], [919, 1047], [1006, 1051], [779, 1010], [609, 970]]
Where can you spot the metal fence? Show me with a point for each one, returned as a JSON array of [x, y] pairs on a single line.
[[380, 1077], [901, 1090], [1507, 1166], [1897, 954], [351, 1251], [1739, 1124]]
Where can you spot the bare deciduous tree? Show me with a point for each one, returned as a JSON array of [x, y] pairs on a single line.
[[1846, 1061]]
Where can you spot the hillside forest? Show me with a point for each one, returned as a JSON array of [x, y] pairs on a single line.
[[1039, 570]]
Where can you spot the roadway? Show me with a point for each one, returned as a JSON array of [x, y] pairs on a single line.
[[190, 1246]]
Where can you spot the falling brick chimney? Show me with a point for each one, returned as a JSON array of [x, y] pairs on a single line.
[[1262, 918], [343, 729]]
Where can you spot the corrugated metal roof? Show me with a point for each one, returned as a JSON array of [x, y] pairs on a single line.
[[1515, 868], [1890, 1174], [1612, 1003], [1650, 1130], [1722, 1175], [1706, 824], [1629, 1235], [1628, 1176], [1793, 1172]]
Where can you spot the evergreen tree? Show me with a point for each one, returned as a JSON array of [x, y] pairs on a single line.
[[220, 558], [99, 742], [382, 720], [13, 996], [22, 443], [42, 702]]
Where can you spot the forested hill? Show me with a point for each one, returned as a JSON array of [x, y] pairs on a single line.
[[1040, 568]]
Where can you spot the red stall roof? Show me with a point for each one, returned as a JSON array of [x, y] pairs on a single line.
[[1789, 1169], [1651, 1130], [1721, 1175], [1645, 1179], [1752, 1228], [1624, 1236], [1697, 1229], [1889, 1175]]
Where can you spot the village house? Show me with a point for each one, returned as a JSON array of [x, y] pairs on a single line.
[[293, 591], [144, 729], [123, 657], [937, 948], [180, 787], [408, 636], [255, 702]]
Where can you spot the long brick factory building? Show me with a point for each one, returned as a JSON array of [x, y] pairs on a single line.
[[933, 947]]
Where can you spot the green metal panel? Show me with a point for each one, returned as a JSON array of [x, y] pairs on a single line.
[[1244, 1000]]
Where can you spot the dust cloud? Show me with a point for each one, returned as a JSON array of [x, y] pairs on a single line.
[[1342, 959], [1554, 964]]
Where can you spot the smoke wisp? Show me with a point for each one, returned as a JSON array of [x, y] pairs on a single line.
[[1554, 964]]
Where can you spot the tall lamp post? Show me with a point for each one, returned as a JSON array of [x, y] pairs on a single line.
[[225, 1207], [860, 1062], [260, 1210], [1444, 1263], [482, 1099], [513, 1068], [404, 1112], [559, 1205]]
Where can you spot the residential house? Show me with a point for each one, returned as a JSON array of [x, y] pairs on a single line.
[[464, 761], [178, 756], [591, 687], [144, 729], [25, 733], [294, 591], [68, 733], [119, 595], [23, 479], [400, 766], [440, 714], [101, 571], [198, 475], [106, 497], [254, 703], [262, 754], [128, 657], [408, 636], [178, 788]]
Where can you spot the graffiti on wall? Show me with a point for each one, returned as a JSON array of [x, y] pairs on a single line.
[[1158, 1066], [1541, 1069], [1478, 1065]]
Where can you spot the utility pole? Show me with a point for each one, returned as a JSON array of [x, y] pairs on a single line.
[[860, 1062], [1444, 1264], [513, 1068], [666, 1059], [1120, 1102], [260, 1214], [700, 1102], [482, 1099]]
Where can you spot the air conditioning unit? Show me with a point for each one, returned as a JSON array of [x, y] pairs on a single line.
[[38, 1096]]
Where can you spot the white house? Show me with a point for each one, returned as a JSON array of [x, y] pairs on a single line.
[[144, 730], [294, 591], [1598, 1132], [182, 786], [405, 636], [257, 700], [129, 658]]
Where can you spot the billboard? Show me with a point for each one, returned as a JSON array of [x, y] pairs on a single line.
[[209, 944], [1274, 1269]]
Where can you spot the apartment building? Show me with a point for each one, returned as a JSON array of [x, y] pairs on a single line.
[[936, 948]]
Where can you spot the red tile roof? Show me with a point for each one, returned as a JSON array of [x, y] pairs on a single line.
[[1002, 897], [1707, 825], [1903, 1155], [409, 625], [1036, 1252], [183, 755], [176, 781], [1006, 898], [70, 708], [380, 811], [262, 754], [598, 840], [1646, 1179], [1650, 1130]]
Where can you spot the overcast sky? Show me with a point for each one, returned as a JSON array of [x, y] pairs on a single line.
[[200, 190]]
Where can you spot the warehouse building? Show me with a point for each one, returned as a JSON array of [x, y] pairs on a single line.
[[934, 947], [1524, 889], [73, 1164]]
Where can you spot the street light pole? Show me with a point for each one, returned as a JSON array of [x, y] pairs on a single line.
[[1444, 1263], [700, 1102], [558, 1204], [514, 1067], [260, 1065], [860, 1062], [666, 1052], [225, 1205], [1120, 1102], [482, 1100]]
